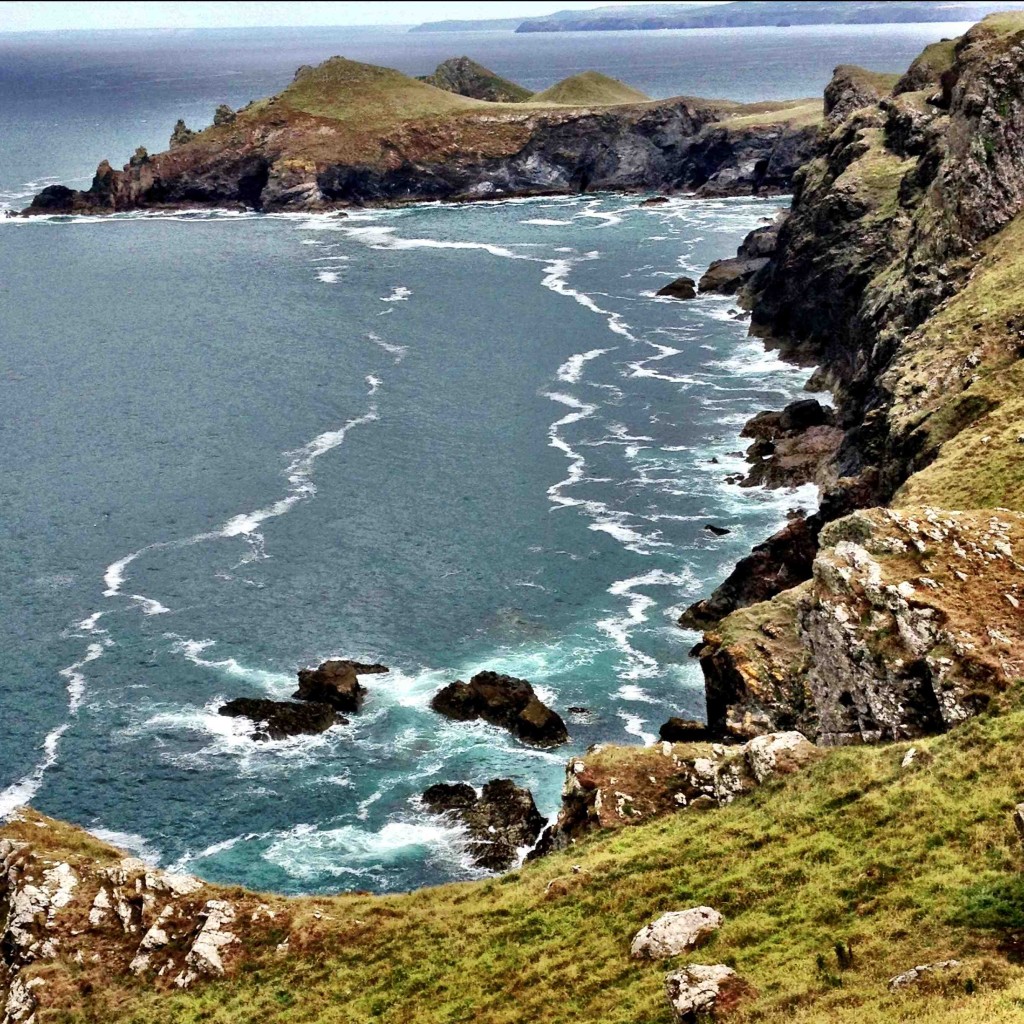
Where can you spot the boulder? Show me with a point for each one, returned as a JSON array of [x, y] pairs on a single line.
[[915, 974], [279, 719], [336, 683], [503, 701], [726, 277], [779, 753], [501, 821], [223, 115], [680, 288], [683, 730], [181, 134], [655, 201], [675, 932], [694, 991], [718, 531]]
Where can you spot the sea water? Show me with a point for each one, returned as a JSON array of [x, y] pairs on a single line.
[[447, 437]]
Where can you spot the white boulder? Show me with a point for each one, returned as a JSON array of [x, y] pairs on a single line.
[[694, 990], [675, 932]]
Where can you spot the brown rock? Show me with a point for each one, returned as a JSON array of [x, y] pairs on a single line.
[[336, 683]]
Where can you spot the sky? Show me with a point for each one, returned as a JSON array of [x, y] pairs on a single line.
[[24, 16]]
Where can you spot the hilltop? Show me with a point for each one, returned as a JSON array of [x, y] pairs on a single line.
[[591, 89]]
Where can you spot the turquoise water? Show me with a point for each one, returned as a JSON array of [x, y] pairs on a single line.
[[447, 438]]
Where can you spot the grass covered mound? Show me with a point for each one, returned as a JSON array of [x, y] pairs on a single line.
[[591, 89], [831, 882]]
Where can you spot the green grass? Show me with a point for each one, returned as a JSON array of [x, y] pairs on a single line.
[[900, 866], [591, 89]]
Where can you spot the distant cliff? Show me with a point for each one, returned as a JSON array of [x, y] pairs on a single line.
[[345, 133]]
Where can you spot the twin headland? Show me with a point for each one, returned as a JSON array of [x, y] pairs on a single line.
[[843, 840]]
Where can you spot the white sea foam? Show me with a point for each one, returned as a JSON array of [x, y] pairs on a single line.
[[571, 370], [20, 793], [135, 844], [149, 605], [635, 727], [76, 680], [398, 294], [327, 276], [398, 351], [373, 383]]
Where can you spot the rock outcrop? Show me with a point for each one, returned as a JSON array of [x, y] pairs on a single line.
[[792, 447], [336, 683], [468, 78], [613, 787], [695, 991], [279, 719], [502, 820], [675, 932], [680, 288], [503, 701]]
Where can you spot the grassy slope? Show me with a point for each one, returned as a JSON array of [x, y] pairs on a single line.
[[591, 88], [855, 850]]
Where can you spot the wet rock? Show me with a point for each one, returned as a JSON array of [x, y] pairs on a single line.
[[655, 201], [727, 277], [503, 701], [683, 730], [336, 682], [694, 991], [675, 932], [718, 531], [502, 821], [680, 288], [915, 974], [279, 719]]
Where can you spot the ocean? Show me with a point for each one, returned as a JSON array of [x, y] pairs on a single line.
[[444, 437]]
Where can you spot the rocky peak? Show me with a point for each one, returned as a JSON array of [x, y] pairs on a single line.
[[468, 78]]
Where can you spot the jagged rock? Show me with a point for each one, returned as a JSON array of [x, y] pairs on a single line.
[[727, 277], [680, 288], [501, 821], [853, 88], [21, 1003], [503, 701], [181, 135], [279, 719], [224, 115], [336, 683], [675, 932], [694, 991], [683, 730], [718, 531], [915, 974], [204, 958], [468, 78]]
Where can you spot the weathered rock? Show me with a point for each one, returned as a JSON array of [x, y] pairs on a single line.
[[468, 78], [915, 974], [181, 134], [279, 719], [503, 701], [727, 277], [675, 932], [779, 754], [694, 991], [205, 956], [1018, 820], [853, 88], [502, 821], [655, 201], [680, 288], [683, 730], [224, 115], [336, 682]]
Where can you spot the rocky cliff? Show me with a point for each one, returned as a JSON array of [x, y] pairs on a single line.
[[897, 273], [345, 133]]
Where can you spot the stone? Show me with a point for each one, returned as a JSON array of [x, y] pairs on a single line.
[[336, 682], [693, 991], [205, 955], [181, 134], [680, 288], [502, 821], [279, 719], [655, 201], [718, 531], [675, 932], [779, 754], [726, 277], [683, 730], [915, 974], [1018, 820], [223, 115], [503, 701]]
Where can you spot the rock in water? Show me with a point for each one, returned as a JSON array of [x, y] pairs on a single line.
[[279, 719], [504, 701], [718, 531], [680, 288], [655, 201], [501, 821], [726, 277], [336, 683], [675, 932], [694, 991]]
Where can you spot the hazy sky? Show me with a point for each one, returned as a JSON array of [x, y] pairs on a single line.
[[24, 16]]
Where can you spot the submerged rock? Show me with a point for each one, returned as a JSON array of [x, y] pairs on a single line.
[[336, 683], [279, 719], [675, 932], [501, 821], [680, 288], [503, 701]]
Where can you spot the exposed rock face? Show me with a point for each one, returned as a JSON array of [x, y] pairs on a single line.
[[792, 447], [279, 719], [224, 115], [852, 88], [910, 625], [675, 932], [503, 701], [915, 974], [694, 991], [618, 786], [181, 134], [680, 288], [336, 683], [728, 276], [502, 821], [467, 78]]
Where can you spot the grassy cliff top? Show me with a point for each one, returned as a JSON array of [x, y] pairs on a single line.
[[591, 89]]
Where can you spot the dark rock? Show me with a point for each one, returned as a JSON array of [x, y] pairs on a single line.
[[726, 277], [223, 115], [336, 683], [655, 201], [465, 77], [181, 134], [503, 701], [684, 730], [853, 88], [279, 719], [578, 711], [680, 288], [500, 822], [718, 531]]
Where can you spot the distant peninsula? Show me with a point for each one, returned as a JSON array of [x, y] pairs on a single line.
[[738, 14]]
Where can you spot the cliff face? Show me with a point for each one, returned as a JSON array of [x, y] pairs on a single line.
[[898, 273], [346, 133]]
